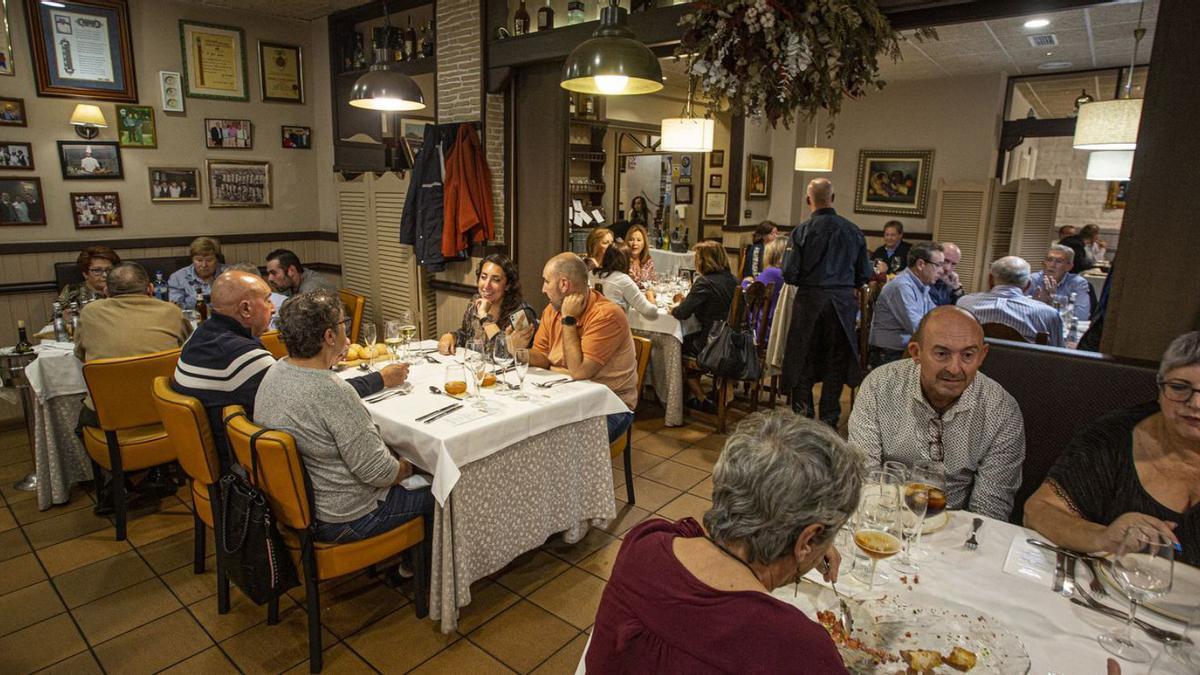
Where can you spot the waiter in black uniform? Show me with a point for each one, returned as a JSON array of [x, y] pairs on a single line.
[[826, 261]]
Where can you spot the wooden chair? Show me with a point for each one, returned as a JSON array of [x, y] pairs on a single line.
[[355, 304], [760, 298], [187, 426], [131, 436], [867, 296], [641, 347], [281, 476], [274, 344], [1002, 331]]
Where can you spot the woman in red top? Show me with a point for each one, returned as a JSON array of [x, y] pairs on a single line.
[[681, 600]]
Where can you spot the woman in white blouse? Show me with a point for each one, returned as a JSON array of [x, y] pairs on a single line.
[[618, 286]]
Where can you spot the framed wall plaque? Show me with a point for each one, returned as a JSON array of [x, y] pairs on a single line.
[[281, 72], [6, 52], [214, 61], [82, 49]]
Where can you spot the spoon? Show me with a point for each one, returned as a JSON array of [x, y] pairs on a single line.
[[433, 389]]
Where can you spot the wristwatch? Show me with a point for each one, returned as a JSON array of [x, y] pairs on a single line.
[[569, 321]]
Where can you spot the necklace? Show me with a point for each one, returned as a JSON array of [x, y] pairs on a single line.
[[733, 555]]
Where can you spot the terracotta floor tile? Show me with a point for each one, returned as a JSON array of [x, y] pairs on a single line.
[[649, 494], [698, 457], [243, 614], [713, 442], [601, 562], [42, 644], [530, 571], [154, 526], [618, 477], [487, 600], [175, 551], [208, 662], [640, 460], [676, 475], [191, 587], [593, 541], [27, 512], [572, 596], [627, 516], [703, 489], [82, 663], [347, 608], [19, 572], [462, 657], [64, 526], [566, 660], [120, 612], [274, 649], [662, 446], [684, 506], [639, 433], [154, 646], [652, 424], [523, 636], [83, 550], [7, 521], [13, 544], [689, 433], [400, 641], [85, 584], [26, 606], [336, 660]]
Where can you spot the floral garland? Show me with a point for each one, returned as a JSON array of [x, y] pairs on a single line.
[[772, 58]]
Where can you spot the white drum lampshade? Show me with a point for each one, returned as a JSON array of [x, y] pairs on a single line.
[[814, 159], [687, 134], [1110, 165], [1108, 125]]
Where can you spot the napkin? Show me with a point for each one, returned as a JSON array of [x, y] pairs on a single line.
[[1029, 562]]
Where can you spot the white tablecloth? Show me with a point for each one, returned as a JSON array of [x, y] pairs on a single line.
[[668, 263], [56, 372]]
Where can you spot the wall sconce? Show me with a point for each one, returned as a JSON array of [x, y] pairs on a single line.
[[88, 120]]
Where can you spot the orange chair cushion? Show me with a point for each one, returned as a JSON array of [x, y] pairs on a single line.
[[141, 447], [202, 503], [335, 560]]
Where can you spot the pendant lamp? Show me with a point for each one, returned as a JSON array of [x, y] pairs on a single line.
[[1112, 125], [814, 159], [687, 133], [613, 62], [384, 89], [1110, 165]]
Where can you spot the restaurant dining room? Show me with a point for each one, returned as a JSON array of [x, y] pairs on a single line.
[[599, 336]]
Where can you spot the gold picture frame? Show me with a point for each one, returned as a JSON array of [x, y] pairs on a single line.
[[1118, 190], [214, 61]]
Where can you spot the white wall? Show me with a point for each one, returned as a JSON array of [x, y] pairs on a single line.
[[779, 144], [1080, 201]]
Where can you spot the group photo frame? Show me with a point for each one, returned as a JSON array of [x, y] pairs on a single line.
[[21, 201], [238, 183], [228, 134], [136, 127], [16, 155], [172, 184], [82, 48], [96, 210]]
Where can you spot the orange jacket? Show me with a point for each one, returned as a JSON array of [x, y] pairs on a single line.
[[468, 216]]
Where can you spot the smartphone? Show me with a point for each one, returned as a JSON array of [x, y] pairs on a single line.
[[518, 320]]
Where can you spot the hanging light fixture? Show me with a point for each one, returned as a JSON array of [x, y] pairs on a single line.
[[1109, 165], [814, 159], [1112, 125], [688, 133], [1084, 98], [613, 62], [384, 89]]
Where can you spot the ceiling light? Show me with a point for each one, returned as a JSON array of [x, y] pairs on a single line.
[[688, 133], [51, 3], [814, 159], [1054, 65], [1110, 165], [384, 89], [1037, 23], [613, 62], [1112, 125]]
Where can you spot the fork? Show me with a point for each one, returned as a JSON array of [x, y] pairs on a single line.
[[971, 543], [1094, 584], [551, 383]]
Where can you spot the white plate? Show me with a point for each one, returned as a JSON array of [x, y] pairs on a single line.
[[935, 523], [1180, 604]]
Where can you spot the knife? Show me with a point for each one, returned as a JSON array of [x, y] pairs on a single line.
[[1059, 571], [442, 414], [1065, 551], [1068, 589], [431, 413]]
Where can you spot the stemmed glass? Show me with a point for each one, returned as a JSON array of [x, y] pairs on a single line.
[[392, 339], [914, 503], [521, 358], [1180, 657], [368, 340], [877, 531], [1144, 565], [502, 360], [476, 361], [408, 329], [932, 477]]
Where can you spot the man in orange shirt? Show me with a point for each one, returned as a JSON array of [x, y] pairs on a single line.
[[585, 335]]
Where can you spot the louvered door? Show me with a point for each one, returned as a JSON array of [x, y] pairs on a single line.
[[961, 216], [1037, 204], [354, 238]]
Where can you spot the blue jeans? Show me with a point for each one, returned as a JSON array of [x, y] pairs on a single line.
[[398, 508], [618, 424]]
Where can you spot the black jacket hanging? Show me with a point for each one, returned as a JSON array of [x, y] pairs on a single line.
[[422, 221]]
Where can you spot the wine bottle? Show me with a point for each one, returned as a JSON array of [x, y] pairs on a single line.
[[546, 17], [410, 41], [60, 325], [23, 346], [201, 307], [521, 20], [427, 40], [572, 99], [589, 107], [575, 12]]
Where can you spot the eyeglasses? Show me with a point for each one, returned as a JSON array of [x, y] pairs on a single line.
[[98, 271], [1177, 390], [346, 323], [936, 452]]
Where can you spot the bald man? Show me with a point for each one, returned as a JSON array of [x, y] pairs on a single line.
[[937, 407], [826, 261]]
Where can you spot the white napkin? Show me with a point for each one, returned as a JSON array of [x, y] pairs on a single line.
[[1029, 562]]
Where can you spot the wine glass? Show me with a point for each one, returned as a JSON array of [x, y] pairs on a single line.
[[931, 476], [392, 339], [476, 362], [502, 360], [897, 467], [914, 503], [455, 381], [1180, 657], [368, 340], [1143, 565], [877, 532], [408, 329], [521, 359]]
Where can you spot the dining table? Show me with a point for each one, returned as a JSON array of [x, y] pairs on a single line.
[[505, 478], [666, 334], [668, 263]]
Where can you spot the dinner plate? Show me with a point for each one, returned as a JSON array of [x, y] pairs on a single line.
[[892, 624], [935, 523], [1180, 604]]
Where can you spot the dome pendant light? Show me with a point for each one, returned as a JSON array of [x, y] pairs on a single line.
[[384, 89], [687, 133], [613, 62], [814, 159], [1112, 125]]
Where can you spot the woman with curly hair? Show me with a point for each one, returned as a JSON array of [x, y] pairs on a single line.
[[491, 310]]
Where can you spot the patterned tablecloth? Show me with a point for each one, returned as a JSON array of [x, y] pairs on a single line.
[[666, 335]]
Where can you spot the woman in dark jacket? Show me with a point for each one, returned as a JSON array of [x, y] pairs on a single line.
[[709, 301], [764, 234]]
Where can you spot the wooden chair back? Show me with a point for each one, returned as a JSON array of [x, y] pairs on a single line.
[[1002, 332], [354, 304], [867, 296]]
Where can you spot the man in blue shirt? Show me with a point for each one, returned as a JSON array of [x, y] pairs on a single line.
[[1057, 283], [948, 289], [1007, 304], [903, 302]]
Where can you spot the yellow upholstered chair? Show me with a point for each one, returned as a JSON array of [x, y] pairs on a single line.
[[130, 436], [641, 347], [274, 344], [282, 477], [187, 426], [354, 311]]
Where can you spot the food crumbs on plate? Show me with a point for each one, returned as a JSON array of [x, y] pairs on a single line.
[[904, 579], [916, 578]]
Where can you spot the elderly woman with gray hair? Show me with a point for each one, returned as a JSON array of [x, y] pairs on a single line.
[[1137, 467], [683, 598]]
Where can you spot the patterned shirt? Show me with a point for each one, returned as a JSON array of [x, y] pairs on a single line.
[[183, 285], [1071, 283], [902, 303], [981, 438], [1009, 306]]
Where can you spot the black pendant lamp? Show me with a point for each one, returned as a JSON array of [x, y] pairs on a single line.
[[384, 89], [613, 62]]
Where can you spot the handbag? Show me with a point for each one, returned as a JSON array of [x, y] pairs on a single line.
[[255, 558], [730, 353]]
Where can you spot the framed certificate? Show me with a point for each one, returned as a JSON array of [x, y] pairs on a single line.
[[214, 61], [82, 49], [6, 55], [281, 71]]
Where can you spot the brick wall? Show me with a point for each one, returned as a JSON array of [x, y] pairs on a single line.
[[1080, 201]]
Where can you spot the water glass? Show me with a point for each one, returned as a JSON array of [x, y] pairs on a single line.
[[501, 359], [391, 338], [1144, 565], [521, 359], [914, 503], [408, 330], [932, 476], [1181, 657], [477, 364], [368, 340]]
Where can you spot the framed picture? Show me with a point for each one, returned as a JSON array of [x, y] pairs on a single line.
[[95, 210], [135, 126], [239, 184], [16, 155], [281, 72], [214, 61], [21, 201], [716, 159], [6, 52], [171, 88], [83, 160], [296, 138], [1117, 191], [228, 134], [413, 131], [714, 180], [758, 177], [893, 182], [12, 112], [82, 48], [715, 204], [683, 194], [174, 184]]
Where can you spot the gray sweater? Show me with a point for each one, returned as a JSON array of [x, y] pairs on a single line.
[[350, 467]]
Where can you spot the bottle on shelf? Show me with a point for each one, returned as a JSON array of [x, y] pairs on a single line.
[[589, 107], [575, 12], [161, 291], [23, 346], [571, 97], [60, 324], [360, 55], [427, 40], [410, 41], [546, 17], [521, 20]]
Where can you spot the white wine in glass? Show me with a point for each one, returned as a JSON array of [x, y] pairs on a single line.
[[392, 339], [408, 330]]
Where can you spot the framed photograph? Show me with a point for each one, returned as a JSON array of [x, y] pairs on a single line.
[[96, 210], [214, 61], [16, 155], [413, 131], [239, 184], [1117, 190], [82, 160], [135, 126], [716, 159], [21, 201], [714, 180], [683, 194], [6, 52], [12, 112], [758, 177], [893, 182], [296, 138], [228, 134], [82, 48], [174, 184], [715, 204], [171, 89], [281, 72]]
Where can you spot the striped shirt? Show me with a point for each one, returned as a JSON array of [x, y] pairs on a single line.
[[1008, 305], [1071, 283], [902, 303]]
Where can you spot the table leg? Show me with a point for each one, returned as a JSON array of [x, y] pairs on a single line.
[[30, 482]]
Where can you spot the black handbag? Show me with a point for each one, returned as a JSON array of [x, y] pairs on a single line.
[[255, 558], [730, 353]]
